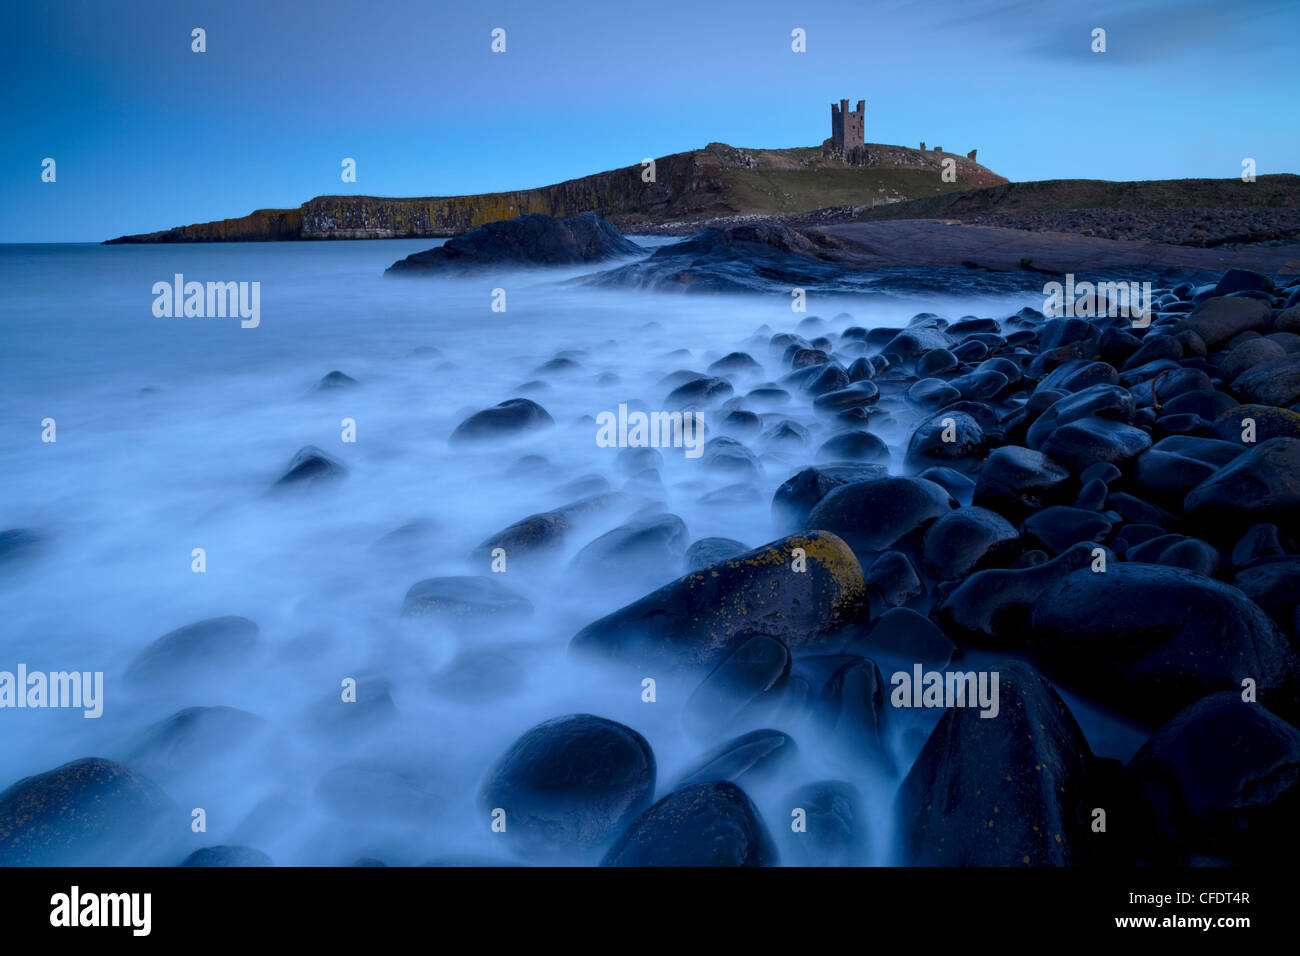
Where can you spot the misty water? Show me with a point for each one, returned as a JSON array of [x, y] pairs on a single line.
[[170, 432]]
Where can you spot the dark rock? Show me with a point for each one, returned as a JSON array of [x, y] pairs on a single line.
[[569, 784], [1275, 586], [514, 416], [853, 714], [649, 547], [892, 580], [698, 392], [335, 380], [1275, 382], [700, 618], [1147, 640], [1218, 780], [991, 608], [1000, 792], [1102, 401], [227, 856], [1060, 526], [1266, 421], [90, 812], [1018, 480], [949, 438], [857, 395], [903, 633], [967, 540], [475, 598], [750, 758], [798, 495], [534, 239], [543, 535], [734, 362], [1261, 541], [1218, 319], [707, 551], [877, 515], [854, 446], [936, 362], [750, 673], [959, 486], [932, 393], [704, 824], [188, 738], [310, 467], [214, 644], [835, 831], [1241, 280], [18, 545], [1263, 485], [1086, 441]]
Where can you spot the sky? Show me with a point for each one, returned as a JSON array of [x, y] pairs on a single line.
[[147, 134]]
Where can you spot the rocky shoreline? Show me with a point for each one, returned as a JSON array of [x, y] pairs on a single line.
[[1084, 509]]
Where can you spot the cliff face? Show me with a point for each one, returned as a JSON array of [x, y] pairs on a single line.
[[716, 181]]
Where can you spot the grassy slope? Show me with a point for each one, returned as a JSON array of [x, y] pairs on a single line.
[[1053, 195]]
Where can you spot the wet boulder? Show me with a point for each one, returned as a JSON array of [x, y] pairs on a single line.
[[1087, 441], [707, 551], [1016, 481], [90, 812], [748, 759], [704, 824], [227, 856], [967, 540], [799, 494], [1275, 382], [950, 439], [465, 598], [218, 643], [569, 785], [1002, 791], [991, 608], [854, 446], [834, 831], [1220, 780], [310, 468], [697, 620], [853, 714], [191, 738], [1263, 485], [1217, 320], [515, 416], [752, 675], [904, 634], [1147, 640], [877, 515], [650, 547]]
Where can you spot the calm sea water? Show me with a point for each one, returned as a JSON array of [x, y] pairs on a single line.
[[170, 431]]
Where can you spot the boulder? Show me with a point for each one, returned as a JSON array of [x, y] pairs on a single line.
[[569, 785], [699, 619]]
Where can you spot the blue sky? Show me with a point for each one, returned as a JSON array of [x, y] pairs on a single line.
[[147, 134]]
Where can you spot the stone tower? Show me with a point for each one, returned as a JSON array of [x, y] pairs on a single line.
[[847, 129]]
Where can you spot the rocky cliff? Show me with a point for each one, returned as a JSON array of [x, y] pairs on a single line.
[[716, 181]]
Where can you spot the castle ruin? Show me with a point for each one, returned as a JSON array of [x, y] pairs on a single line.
[[848, 133], [847, 129]]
